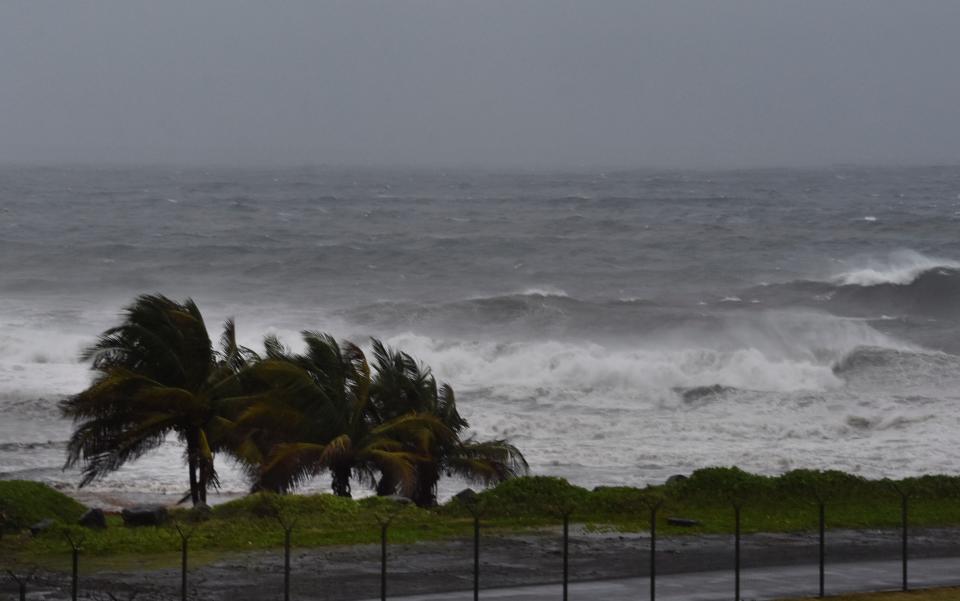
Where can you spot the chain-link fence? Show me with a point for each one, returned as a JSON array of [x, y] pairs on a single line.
[[19, 581]]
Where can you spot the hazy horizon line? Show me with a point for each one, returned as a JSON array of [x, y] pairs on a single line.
[[461, 167]]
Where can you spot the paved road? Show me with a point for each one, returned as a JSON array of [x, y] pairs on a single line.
[[756, 584]]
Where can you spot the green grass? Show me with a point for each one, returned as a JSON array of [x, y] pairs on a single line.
[[26, 503], [770, 504]]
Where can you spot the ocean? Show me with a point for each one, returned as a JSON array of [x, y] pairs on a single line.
[[618, 327]]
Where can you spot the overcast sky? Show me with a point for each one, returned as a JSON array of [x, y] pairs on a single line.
[[527, 83]]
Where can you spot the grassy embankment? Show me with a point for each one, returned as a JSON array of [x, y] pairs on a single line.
[[770, 504]]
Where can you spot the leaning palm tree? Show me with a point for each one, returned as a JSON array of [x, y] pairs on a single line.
[[319, 420], [156, 374], [402, 384], [486, 462]]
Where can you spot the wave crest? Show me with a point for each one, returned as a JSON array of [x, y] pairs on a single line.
[[912, 285], [899, 268], [523, 370]]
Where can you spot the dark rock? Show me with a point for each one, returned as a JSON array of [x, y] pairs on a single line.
[[466, 496], [704, 393], [676, 479], [145, 515], [41, 527], [684, 522], [200, 513], [94, 518], [399, 499]]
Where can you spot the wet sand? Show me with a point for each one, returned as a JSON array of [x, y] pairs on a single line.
[[351, 573]]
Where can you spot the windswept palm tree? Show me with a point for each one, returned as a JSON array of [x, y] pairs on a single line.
[[402, 384], [320, 420], [156, 374]]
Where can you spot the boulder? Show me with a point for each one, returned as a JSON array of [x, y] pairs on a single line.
[[200, 513], [41, 527], [683, 522], [466, 496], [145, 515], [399, 499], [676, 479], [94, 518]]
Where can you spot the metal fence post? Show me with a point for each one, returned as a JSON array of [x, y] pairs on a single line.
[[905, 559], [566, 553], [823, 533], [475, 506], [183, 570], [476, 557], [288, 526], [383, 561], [736, 551], [384, 520], [286, 564], [21, 584], [654, 506], [184, 543], [904, 520], [75, 550]]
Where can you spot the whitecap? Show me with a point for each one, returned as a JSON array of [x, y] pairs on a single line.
[[899, 267], [543, 291]]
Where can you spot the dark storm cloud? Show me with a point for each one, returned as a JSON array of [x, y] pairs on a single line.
[[518, 82]]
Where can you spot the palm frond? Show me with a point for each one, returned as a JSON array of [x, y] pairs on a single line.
[[488, 462], [290, 465]]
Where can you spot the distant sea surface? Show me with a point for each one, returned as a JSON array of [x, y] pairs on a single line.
[[618, 327]]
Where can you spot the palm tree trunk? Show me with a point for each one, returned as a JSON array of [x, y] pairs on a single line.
[[386, 486], [193, 464], [425, 493], [341, 481], [203, 484]]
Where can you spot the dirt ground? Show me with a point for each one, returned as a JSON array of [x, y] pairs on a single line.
[[353, 573]]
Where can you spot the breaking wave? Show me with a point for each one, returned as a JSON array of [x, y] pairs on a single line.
[[900, 268], [922, 287], [917, 369], [559, 370]]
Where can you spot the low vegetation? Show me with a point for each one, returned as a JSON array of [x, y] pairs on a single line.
[[770, 504]]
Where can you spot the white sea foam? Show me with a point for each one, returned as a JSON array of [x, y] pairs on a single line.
[[543, 291], [786, 407], [900, 267], [770, 352], [520, 369]]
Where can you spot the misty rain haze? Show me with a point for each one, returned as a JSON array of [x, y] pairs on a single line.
[[637, 238]]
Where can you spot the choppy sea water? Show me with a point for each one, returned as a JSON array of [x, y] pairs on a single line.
[[618, 327]]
